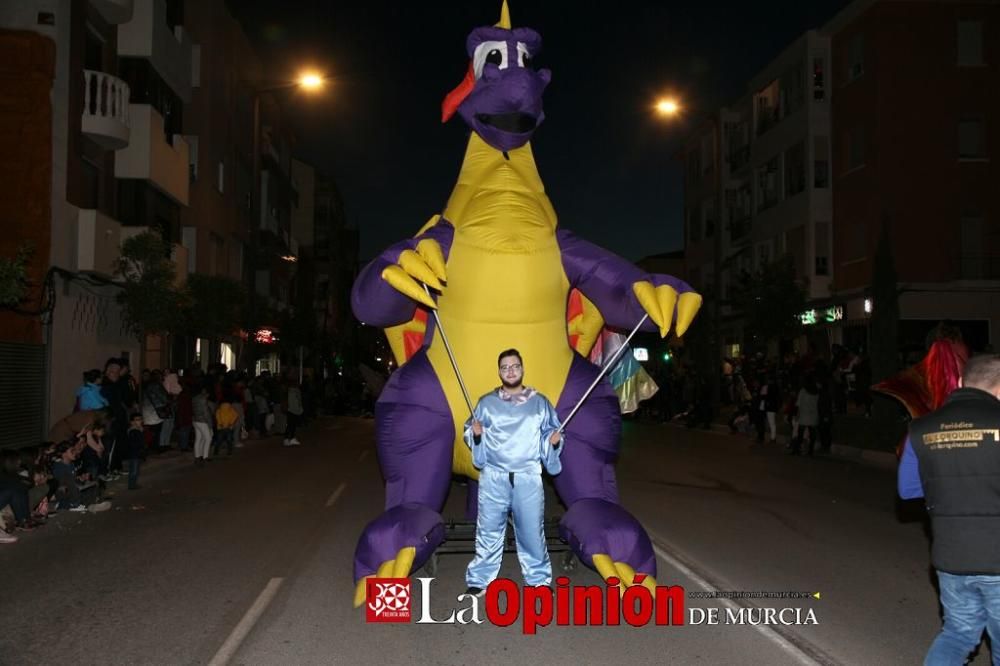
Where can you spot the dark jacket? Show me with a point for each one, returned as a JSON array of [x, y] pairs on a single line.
[[136, 446], [958, 452]]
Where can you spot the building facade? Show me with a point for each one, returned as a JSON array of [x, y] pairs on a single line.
[[882, 117], [916, 142]]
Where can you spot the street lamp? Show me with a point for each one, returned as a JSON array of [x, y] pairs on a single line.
[[310, 81], [668, 106]]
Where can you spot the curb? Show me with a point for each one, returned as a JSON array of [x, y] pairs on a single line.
[[883, 459]]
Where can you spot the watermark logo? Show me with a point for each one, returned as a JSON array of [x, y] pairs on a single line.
[[388, 600]]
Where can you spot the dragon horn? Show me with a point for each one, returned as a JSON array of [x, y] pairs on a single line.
[[504, 17]]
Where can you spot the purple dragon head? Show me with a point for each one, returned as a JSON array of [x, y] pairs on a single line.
[[501, 96]]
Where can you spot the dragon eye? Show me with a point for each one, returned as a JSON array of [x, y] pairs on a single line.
[[489, 53], [523, 57]]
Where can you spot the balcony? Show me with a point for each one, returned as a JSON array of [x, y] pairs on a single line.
[[114, 12], [105, 109], [739, 157], [98, 240], [149, 156], [147, 35]]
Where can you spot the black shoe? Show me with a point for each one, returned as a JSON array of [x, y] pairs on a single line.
[[475, 591]]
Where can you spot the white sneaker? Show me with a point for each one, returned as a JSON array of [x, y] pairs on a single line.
[[7, 538], [295, 442], [288, 442], [79, 508], [97, 507]]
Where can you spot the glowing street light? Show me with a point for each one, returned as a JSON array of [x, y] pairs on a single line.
[[667, 106], [311, 81]]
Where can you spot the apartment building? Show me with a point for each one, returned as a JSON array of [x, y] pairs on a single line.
[[117, 165], [757, 182], [880, 117], [916, 144]]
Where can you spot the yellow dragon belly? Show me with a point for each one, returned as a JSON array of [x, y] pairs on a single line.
[[506, 285]]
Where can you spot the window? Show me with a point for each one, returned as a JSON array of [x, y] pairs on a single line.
[[737, 144], [854, 147], [855, 58], [971, 140], [821, 163], [795, 170], [767, 184], [819, 82], [822, 246], [216, 255], [970, 43], [768, 107], [792, 89], [236, 259]]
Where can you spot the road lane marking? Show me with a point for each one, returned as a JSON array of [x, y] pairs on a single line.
[[364, 454], [250, 618], [795, 647], [336, 495]]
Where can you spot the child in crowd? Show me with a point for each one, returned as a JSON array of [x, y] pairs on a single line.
[[88, 396], [225, 420], [202, 421], [66, 471], [135, 449]]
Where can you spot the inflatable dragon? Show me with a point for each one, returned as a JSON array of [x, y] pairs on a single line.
[[504, 276]]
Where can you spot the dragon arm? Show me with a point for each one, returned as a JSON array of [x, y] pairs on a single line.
[[623, 292], [376, 298]]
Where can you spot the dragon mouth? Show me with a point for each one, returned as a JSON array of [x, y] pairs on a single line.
[[515, 123]]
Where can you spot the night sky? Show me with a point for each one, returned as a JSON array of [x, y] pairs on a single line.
[[610, 166]]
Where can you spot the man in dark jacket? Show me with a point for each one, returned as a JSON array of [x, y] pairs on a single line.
[[952, 459], [115, 389]]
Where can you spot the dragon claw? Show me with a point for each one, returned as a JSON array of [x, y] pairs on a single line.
[[645, 292], [661, 302], [430, 251], [398, 567], [402, 282], [623, 572], [417, 268], [688, 305]]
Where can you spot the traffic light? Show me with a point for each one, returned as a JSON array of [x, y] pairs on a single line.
[[666, 356]]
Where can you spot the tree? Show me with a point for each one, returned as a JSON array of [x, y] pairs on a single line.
[[213, 306], [150, 301], [771, 300], [14, 277]]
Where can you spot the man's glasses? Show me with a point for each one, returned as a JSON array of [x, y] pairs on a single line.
[[505, 368]]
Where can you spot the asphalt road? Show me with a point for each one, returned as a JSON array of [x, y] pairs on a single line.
[[248, 561]]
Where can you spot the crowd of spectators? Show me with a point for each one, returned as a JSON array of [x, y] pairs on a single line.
[[117, 421], [759, 396]]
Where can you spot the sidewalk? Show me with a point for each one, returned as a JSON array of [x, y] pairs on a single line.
[[854, 438]]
